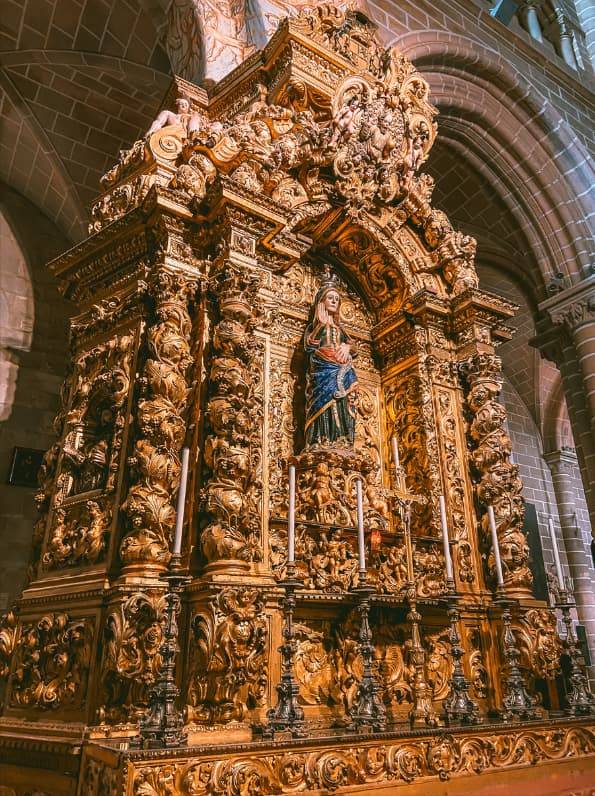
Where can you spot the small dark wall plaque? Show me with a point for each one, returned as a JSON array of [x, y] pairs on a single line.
[[25, 466], [531, 528]]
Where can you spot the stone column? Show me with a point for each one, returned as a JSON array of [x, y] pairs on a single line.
[[563, 465], [573, 311]]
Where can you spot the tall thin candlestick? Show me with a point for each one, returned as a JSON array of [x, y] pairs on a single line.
[[445, 540], [495, 546], [557, 561], [361, 550], [291, 517], [396, 460], [177, 548]]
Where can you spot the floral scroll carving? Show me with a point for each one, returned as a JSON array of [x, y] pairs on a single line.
[[539, 643], [497, 479], [235, 412], [52, 661], [477, 666], [132, 637], [451, 460], [441, 757], [229, 665], [8, 640], [77, 539], [329, 666], [155, 463]]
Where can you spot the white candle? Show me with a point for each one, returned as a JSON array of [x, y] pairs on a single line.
[[177, 548], [361, 550], [291, 517], [396, 459], [495, 546], [445, 540], [556, 553]]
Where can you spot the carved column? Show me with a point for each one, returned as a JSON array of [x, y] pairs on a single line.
[[231, 538], [572, 311], [563, 465], [150, 503], [498, 482]]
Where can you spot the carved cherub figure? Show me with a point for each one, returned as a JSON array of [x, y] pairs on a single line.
[[344, 123], [416, 148], [335, 552], [183, 116], [376, 501], [321, 493]]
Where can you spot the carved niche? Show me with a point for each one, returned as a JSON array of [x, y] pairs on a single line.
[[326, 477], [228, 660], [82, 471], [131, 661], [93, 423], [51, 664]]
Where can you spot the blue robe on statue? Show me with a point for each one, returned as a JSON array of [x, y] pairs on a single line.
[[330, 415]]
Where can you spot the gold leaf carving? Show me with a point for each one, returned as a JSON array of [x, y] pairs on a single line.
[[52, 663], [131, 640], [228, 670]]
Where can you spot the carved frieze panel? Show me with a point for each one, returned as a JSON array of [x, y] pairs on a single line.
[[132, 636], [440, 757], [328, 666], [97, 394], [326, 561], [411, 419], [539, 643], [228, 672], [52, 660], [454, 479]]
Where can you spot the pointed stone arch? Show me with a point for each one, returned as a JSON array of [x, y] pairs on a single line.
[[502, 111]]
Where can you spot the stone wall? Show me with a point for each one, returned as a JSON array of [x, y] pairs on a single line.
[[34, 354]]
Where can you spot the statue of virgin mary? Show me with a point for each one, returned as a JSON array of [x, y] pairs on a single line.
[[331, 381]]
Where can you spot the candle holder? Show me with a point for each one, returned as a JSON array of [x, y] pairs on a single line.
[[518, 703], [580, 699], [287, 716], [458, 706], [422, 711], [163, 724], [367, 711]]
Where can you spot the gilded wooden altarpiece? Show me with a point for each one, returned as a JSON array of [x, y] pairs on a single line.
[[205, 253]]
